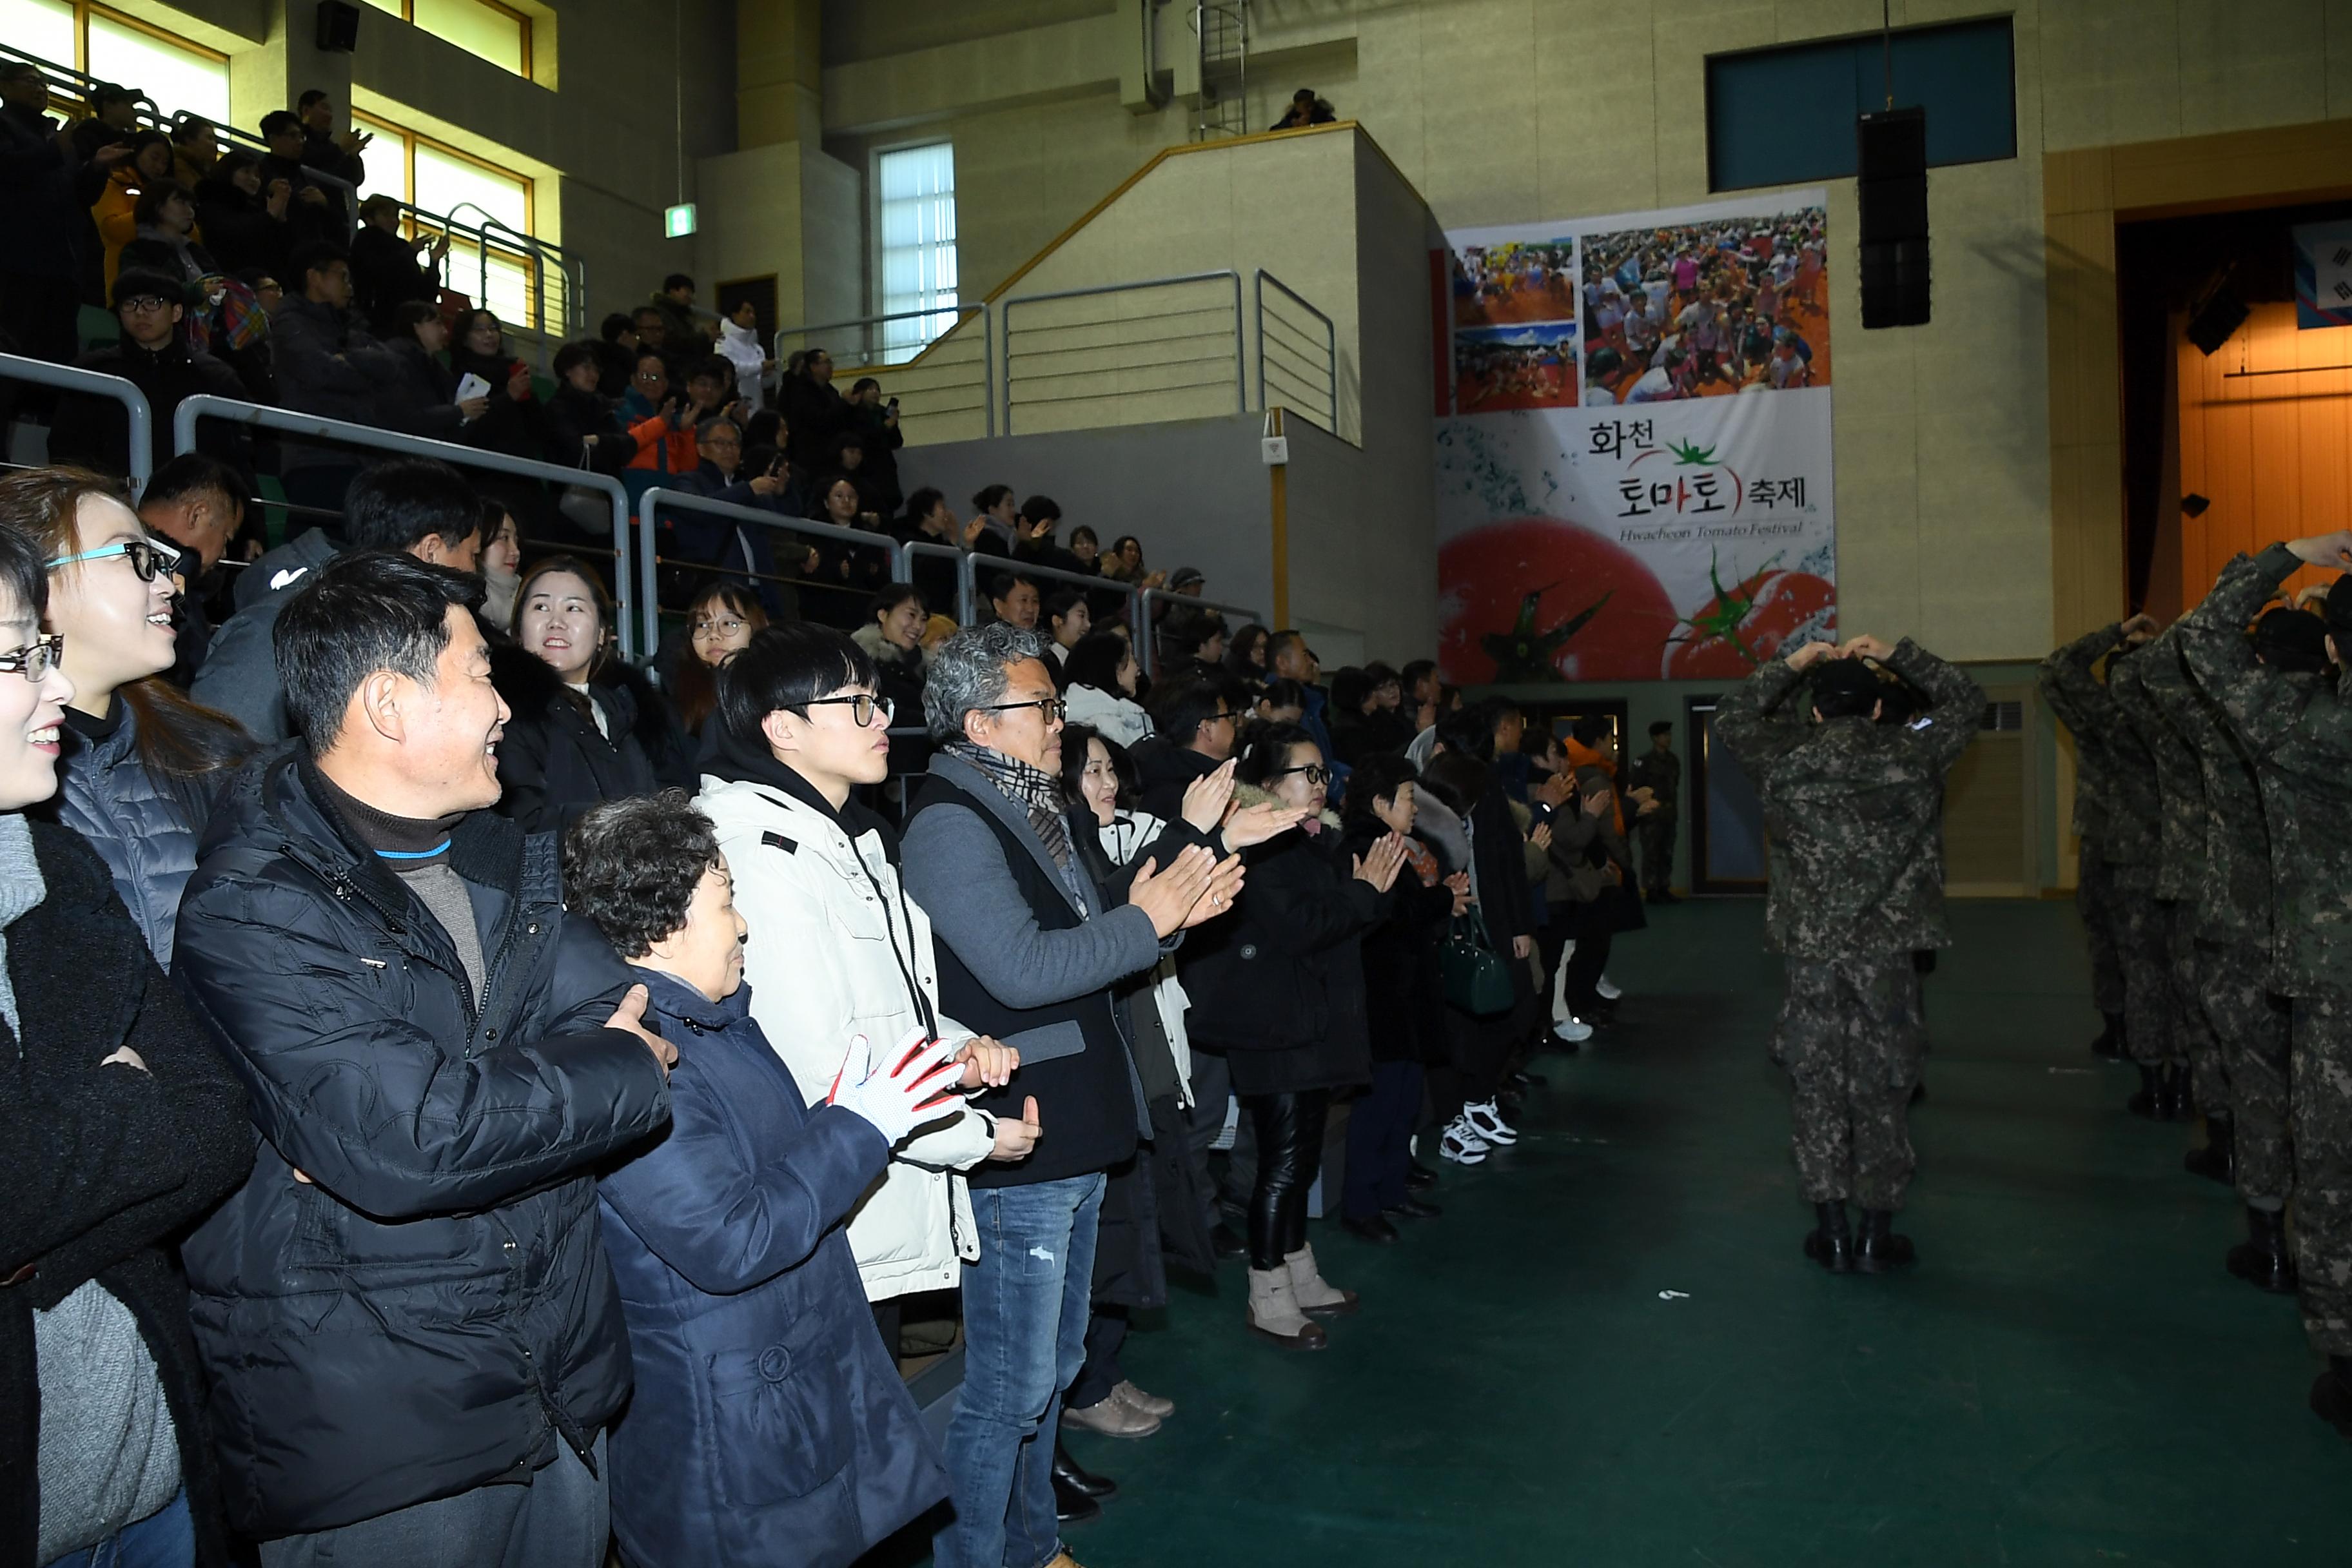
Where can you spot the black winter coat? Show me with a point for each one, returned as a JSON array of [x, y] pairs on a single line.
[[1281, 989], [432, 1310], [1404, 984], [385, 276], [96, 432], [813, 414], [420, 394], [553, 763], [106, 1164], [239, 231]]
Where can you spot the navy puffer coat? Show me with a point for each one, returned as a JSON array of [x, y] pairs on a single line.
[[144, 827], [431, 1308], [769, 1428]]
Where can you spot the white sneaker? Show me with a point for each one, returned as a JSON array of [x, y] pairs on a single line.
[[1571, 1031], [1609, 992], [1486, 1121], [1462, 1145]]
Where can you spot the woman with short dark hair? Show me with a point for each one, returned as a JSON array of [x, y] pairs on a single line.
[[747, 1328], [1102, 675]]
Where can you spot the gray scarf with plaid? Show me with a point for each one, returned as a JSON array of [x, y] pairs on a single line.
[[1037, 792]]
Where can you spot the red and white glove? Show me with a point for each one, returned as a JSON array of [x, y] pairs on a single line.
[[903, 1090]]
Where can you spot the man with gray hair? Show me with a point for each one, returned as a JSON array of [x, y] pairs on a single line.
[[1028, 946]]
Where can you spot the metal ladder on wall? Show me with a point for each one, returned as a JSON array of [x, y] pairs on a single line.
[[1222, 31]]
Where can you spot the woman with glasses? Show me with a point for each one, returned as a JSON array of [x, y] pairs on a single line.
[[144, 764], [721, 622], [120, 1125], [836, 946], [575, 736], [1282, 995]]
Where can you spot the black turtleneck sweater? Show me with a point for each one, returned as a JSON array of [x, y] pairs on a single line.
[[416, 850]]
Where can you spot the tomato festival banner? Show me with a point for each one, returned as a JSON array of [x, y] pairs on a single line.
[[1633, 464]]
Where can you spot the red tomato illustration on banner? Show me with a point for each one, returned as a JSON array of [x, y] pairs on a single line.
[[1743, 626], [1540, 599]]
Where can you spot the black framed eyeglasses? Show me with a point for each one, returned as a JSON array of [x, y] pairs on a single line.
[[862, 707], [1053, 707], [1316, 773], [147, 557], [35, 658]]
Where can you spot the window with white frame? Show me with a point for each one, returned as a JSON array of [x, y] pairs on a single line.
[[915, 218]]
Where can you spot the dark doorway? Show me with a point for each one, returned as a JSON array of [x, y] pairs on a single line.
[[1727, 820]]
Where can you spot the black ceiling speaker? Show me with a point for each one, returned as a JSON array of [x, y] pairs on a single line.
[[2217, 313], [1891, 193], [339, 27]]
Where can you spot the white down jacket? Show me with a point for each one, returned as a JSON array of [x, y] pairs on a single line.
[[834, 945]]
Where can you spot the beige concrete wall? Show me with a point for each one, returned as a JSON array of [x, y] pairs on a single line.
[[1507, 111]]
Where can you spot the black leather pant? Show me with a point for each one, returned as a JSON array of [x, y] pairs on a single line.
[[1289, 1130]]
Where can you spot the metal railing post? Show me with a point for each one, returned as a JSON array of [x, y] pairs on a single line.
[[1241, 361], [1149, 652], [963, 576], [140, 418], [204, 406]]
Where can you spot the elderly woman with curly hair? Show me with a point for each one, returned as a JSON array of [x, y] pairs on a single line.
[[769, 1424]]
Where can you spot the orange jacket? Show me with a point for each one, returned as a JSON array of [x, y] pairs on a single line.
[[1581, 755]]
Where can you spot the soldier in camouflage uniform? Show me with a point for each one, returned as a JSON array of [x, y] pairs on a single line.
[[2131, 847], [2233, 935], [1660, 772], [2302, 740], [1855, 812], [2155, 692], [2094, 883]]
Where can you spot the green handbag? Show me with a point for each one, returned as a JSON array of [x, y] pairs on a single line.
[[1477, 978]]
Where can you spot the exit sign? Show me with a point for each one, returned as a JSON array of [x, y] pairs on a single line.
[[678, 222]]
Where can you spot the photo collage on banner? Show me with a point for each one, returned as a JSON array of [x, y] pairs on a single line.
[[1633, 465]]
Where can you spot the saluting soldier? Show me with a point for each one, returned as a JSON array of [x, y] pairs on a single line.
[[1855, 813]]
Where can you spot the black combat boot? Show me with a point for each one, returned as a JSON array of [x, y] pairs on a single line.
[[1879, 1248], [2110, 1043], [2149, 1098], [2218, 1160], [2262, 1259], [2331, 1396], [1830, 1242], [2176, 1105]]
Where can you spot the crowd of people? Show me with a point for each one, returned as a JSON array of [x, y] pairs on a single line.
[[1700, 308], [2210, 783], [448, 1056]]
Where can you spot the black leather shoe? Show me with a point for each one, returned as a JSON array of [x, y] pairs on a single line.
[[2262, 1259], [2177, 1107], [1878, 1248], [2149, 1098], [1414, 1208], [1080, 1478], [1417, 1177], [1225, 1244], [2218, 1160], [1830, 1242], [1072, 1506], [1376, 1230], [2110, 1043], [2331, 1396]]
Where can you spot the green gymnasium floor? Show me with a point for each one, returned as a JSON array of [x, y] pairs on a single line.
[[2068, 1377]]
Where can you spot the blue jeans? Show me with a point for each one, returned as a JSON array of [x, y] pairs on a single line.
[[1024, 1322], [165, 1538]]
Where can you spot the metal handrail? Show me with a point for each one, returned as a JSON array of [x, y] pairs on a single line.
[[967, 596], [1149, 650], [1092, 582], [1241, 363], [1330, 347], [204, 406], [656, 498], [96, 383]]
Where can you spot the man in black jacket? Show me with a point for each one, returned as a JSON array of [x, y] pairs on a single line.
[[153, 356], [1195, 721], [386, 270], [46, 184], [409, 1303]]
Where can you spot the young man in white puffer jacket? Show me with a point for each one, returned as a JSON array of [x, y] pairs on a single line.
[[836, 948]]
